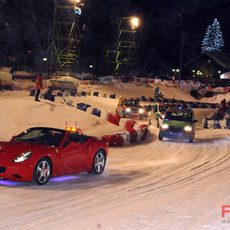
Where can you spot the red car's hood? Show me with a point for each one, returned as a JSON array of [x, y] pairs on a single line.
[[12, 149]]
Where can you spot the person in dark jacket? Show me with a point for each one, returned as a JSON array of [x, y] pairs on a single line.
[[222, 108], [38, 86]]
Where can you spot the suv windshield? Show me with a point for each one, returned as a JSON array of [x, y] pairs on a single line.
[[131, 103], [44, 136], [179, 116]]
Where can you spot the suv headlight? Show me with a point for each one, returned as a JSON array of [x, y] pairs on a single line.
[[141, 110], [128, 110], [23, 157], [188, 128], [165, 126]]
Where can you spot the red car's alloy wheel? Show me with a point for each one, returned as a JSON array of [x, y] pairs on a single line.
[[99, 162], [42, 172]]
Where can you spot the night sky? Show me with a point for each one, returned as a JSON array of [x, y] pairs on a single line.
[[25, 25]]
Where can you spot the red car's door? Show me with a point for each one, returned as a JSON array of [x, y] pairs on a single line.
[[74, 157]]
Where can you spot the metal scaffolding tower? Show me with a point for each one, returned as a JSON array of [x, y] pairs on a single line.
[[120, 59], [65, 45]]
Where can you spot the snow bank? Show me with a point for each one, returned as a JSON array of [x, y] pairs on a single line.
[[19, 112]]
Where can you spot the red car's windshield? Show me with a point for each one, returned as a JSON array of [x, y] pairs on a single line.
[[44, 136]]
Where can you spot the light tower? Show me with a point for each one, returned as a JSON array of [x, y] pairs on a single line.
[[122, 57], [65, 45]]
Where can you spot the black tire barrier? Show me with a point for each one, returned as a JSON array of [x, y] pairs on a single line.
[[83, 93], [159, 99], [73, 93], [96, 112], [32, 92], [143, 98], [180, 101], [151, 99], [171, 101], [83, 106], [96, 94], [194, 106], [204, 106], [201, 105], [209, 94], [213, 106], [49, 97], [6, 87], [24, 77], [113, 96]]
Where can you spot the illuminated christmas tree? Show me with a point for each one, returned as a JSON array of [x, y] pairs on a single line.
[[213, 39]]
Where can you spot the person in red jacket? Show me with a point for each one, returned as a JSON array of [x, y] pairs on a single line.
[[38, 86]]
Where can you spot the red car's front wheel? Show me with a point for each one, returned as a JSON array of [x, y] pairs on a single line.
[[42, 171], [99, 162]]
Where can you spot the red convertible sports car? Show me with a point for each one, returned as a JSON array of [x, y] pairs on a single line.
[[41, 152]]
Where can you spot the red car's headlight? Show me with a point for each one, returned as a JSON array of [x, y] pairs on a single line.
[[23, 157]]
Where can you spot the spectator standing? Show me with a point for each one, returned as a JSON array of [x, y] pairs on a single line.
[[227, 116], [14, 67], [222, 108], [38, 86]]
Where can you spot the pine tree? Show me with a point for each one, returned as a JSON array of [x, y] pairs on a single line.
[[218, 41], [213, 39], [206, 40]]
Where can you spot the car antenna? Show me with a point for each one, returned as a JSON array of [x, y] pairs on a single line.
[[66, 123], [75, 124]]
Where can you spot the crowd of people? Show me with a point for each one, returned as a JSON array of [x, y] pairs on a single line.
[[221, 113]]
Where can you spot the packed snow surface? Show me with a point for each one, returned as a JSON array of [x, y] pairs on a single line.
[[154, 185]]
